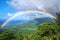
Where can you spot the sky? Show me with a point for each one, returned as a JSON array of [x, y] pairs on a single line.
[[9, 7], [5, 9]]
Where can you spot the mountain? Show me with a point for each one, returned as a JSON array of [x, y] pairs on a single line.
[[21, 18], [29, 25]]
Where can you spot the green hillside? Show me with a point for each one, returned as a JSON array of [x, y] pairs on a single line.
[[25, 28]]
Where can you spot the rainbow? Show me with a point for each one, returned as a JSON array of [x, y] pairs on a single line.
[[19, 13]]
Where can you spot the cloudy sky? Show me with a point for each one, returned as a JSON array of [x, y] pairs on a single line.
[[10, 7]]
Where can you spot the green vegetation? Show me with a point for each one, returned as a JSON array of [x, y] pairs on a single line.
[[58, 18], [30, 26], [44, 31], [7, 35]]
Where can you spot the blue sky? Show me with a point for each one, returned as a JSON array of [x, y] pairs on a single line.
[[9, 7], [5, 8]]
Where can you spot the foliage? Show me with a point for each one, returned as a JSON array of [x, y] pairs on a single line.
[[45, 31], [7, 35], [58, 18]]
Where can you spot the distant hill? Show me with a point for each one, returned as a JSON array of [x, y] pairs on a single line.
[[30, 25]]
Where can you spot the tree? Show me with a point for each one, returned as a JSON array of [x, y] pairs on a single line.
[[47, 29], [58, 18], [7, 35]]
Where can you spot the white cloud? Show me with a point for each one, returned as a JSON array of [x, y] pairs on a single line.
[[9, 14], [29, 15], [45, 5], [26, 15], [26, 5]]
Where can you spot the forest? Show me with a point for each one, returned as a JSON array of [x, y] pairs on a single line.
[[45, 31]]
